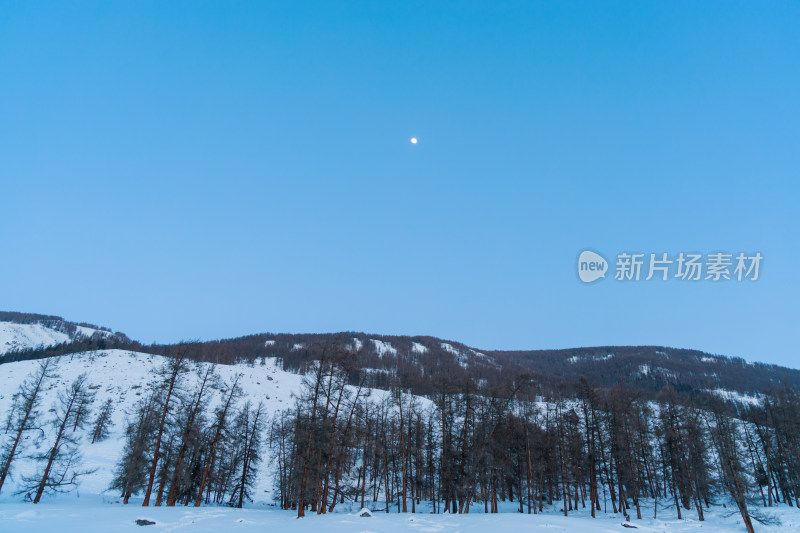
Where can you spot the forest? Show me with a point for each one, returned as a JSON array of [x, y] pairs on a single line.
[[421, 363], [549, 448]]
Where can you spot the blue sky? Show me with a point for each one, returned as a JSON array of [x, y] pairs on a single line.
[[205, 170]]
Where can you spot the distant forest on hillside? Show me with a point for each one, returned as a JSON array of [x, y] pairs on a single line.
[[422, 363]]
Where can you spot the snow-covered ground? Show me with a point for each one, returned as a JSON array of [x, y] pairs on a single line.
[[94, 515], [417, 347], [737, 397], [382, 348], [14, 337]]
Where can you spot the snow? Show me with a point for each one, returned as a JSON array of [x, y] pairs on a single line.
[[667, 373], [356, 345], [707, 359], [97, 515], [461, 359], [377, 371], [15, 337], [382, 348], [417, 347], [298, 346], [606, 357], [270, 342], [84, 331], [446, 346], [737, 397]]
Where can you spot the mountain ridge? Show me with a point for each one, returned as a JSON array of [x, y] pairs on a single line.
[[423, 362]]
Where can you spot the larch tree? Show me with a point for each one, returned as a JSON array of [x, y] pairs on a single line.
[[24, 414], [61, 460], [219, 429], [170, 373], [103, 423]]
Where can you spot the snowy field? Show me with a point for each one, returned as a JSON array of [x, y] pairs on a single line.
[[95, 515]]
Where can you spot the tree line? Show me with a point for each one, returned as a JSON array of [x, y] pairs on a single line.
[[181, 451], [194, 440], [646, 369], [562, 448]]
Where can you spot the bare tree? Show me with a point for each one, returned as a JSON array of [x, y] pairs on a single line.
[[189, 430], [313, 386], [23, 414], [170, 373], [219, 428], [103, 423], [131, 471], [249, 426], [725, 435], [61, 461]]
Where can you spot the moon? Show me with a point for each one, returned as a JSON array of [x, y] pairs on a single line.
[[413, 140]]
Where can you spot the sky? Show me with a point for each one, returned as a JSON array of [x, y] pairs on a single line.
[[203, 170]]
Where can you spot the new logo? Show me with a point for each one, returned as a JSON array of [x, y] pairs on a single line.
[[591, 266]]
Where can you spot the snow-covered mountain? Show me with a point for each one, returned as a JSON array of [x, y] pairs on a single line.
[[125, 377], [20, 332], [267, 368], [423, 360], [17, 337]]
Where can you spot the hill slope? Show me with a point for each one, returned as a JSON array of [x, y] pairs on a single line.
[[126, 377], [422, 363], [21, 332]]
